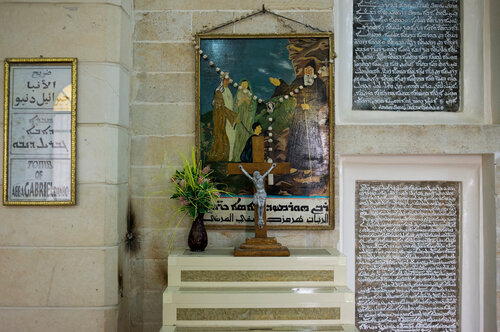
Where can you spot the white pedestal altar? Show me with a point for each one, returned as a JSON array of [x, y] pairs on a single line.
[[215, 291]]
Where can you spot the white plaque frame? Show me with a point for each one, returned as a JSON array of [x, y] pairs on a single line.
[[39, 131], [476, 228], [473, 106]]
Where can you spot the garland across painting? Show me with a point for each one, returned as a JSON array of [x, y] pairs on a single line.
[[279, 87]]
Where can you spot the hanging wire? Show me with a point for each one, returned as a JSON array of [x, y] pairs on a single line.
[[255, 13]]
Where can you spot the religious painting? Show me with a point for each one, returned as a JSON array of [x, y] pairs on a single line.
[[279, 87], [39, 131]]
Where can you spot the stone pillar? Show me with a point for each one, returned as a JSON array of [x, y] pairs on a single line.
[[60, 266]]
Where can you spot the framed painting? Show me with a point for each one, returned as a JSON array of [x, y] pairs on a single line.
[[39, 162], [279, 87]]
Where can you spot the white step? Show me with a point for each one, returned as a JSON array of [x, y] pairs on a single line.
[[268, 306], [219, 268]]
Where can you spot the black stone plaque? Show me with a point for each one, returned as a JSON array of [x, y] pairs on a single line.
[[406, 55], [407, 255]]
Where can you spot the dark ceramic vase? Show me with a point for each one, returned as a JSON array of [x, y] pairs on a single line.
[[198, 238]]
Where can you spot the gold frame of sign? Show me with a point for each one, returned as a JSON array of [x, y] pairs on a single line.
[[39, 168]]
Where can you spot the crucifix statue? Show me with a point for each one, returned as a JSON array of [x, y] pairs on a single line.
[[260, 196], [261, 245]]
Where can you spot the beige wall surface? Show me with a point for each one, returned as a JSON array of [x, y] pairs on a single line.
[[60, 266], [67, 268], [162, 123]]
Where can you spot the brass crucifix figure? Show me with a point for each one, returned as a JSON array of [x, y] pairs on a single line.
[[260, 196]]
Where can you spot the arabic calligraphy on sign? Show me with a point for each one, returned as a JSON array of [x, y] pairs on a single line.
[[40, 133]]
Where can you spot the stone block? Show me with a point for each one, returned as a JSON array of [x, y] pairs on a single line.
[[232, 4], [498, 272], [492, 137], [148, 327], [123, 320], [126, 42], [162, 26], [150, 181], [148, 308], [498, 308], [103, 94], [58, 277], [122, 202], [153, 212], [322, 20], [497, 199], [103, 154], [163, 88], [148, 57], [164, 57], [154, 243], [150, 274], [125, 4], [258, 24], [205, 20], [64, 30], [497, 179], [163, 119], [157, 151], [124, 275], [121, 153], [498, 238], [92, 222], [456, 139], [59, 319]]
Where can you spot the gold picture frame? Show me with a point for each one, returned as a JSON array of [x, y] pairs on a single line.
[[40, 99], [217, 53]]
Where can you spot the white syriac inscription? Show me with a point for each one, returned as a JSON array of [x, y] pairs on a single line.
[[406, 55], [407, 256], [299, 211]]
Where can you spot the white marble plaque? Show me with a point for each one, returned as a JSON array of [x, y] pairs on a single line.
[[407, 255]]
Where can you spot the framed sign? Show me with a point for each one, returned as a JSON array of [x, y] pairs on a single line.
[[279, 87], [406, 55], [39, 131], [407, 253]]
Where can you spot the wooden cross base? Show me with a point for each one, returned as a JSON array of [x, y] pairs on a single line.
[[261, 245], [267, 246]]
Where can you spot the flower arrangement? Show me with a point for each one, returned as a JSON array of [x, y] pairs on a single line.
[[195, 190]]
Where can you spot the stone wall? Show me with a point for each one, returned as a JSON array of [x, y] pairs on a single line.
[[67, 268], [60, 266], [163, 123]]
